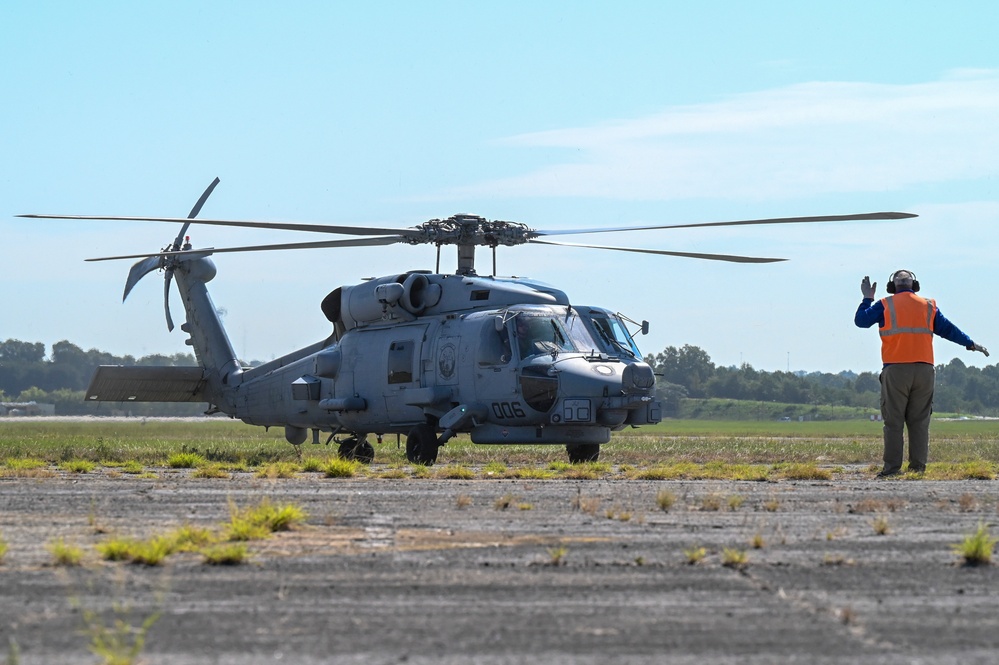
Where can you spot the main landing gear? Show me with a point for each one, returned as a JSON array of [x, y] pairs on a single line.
[[583, 452]]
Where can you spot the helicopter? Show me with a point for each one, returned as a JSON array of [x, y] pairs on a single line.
[[427, 355]]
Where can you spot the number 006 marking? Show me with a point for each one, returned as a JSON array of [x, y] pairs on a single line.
[[508, 410]]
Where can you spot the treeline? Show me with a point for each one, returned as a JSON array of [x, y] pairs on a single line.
[[27, 374], [687, 372]]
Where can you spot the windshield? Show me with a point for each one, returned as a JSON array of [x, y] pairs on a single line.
[[614, 335], [537, 334]]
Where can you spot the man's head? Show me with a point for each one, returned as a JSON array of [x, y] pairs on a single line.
[[902, 280]]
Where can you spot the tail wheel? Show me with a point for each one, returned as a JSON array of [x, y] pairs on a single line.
[[422, 445], [355, 449], [583, 452]]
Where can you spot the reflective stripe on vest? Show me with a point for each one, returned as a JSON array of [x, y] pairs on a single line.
[[907, 336]]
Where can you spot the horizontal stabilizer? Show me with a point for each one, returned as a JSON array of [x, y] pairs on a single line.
[[114, 383]]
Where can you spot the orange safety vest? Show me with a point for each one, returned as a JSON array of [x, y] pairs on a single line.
[[907, 335]]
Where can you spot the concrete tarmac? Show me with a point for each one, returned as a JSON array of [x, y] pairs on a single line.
[[852, 570]]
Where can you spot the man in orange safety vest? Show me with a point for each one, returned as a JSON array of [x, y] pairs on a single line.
[[907, 323]]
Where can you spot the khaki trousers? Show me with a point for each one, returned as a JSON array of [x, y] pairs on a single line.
[[907, 402]]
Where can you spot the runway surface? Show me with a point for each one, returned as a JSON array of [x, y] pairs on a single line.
[[512, 571]]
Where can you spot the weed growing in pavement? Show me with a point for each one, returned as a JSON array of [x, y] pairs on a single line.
[[338, 467], [228, 554], [587, 504], [13, 652], [3, 548], [967, 503], [393, 473], [210, 470], [190, 538], [733, 558], [757, 542], [495, 469], [77, 466], [836, 560], [976, 549], [711, 502], [665, 500], [64, 554], [276, 470], [525, 506], [455, 472], [311, 464], [117, 642], [695, 555], [556, 555], [735, 501], [272, 517], [802, 471], [132, 467], [771, 505], [881, 526], [503, 502], [116, 549], [463, 501], [153, 551]]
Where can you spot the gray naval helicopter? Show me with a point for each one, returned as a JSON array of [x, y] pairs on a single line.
[[420, 354]]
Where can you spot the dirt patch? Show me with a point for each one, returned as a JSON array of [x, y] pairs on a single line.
[[511, 571]]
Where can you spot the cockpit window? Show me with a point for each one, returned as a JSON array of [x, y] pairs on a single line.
[[494, 345], [540, 334], [615, 337]]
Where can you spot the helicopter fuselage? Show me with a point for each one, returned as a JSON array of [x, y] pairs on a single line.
[[504, 360]]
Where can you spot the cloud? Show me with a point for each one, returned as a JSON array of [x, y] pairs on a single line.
[[791, 142]]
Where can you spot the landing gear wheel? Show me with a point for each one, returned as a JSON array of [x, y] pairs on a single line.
[[364, 452], [421, 445], [359, 450], [583, 452]]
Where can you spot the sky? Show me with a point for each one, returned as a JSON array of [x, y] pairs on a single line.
[[555, 114]]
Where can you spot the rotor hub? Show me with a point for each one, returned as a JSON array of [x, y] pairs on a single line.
[[470, 230]]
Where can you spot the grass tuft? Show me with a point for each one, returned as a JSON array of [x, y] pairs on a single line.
[[733, 558], [665, 500], [976, 549], [64, 554], [338, 467], [78, 466], [695, 555], [276, 470], [230, 554]]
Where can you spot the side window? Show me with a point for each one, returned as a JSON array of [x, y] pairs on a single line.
[[494, 345], [400, 362]]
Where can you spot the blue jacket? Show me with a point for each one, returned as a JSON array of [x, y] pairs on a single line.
[[872, 311]]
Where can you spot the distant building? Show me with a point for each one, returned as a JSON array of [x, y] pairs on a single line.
[[26, 409]]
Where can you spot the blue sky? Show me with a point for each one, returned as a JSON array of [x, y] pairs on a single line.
[[555, 114]]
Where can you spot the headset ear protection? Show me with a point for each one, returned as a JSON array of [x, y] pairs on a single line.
[[891, 281]]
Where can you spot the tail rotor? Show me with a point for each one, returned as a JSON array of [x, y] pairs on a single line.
[[164, 261]]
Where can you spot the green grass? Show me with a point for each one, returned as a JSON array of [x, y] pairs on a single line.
[[976, 549], [65, 554], [652, 452], [227, 554]]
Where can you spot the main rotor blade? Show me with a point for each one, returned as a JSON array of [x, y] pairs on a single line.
[[315, 228], [691, 255], [322, 244], [194, 213], [746, 222]]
